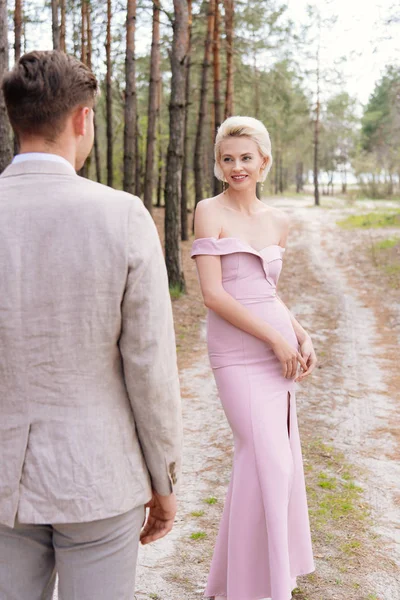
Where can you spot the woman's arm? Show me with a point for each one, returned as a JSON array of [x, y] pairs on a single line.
[[300, 332]]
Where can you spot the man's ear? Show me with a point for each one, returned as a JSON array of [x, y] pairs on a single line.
[[79, 119]]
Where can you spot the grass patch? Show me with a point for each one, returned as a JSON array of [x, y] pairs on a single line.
[[387, 244], [176, 292], [199, 535], [211, 500], [371, 220], [197, 513], [154, 597], [333, 494], [326, 482]]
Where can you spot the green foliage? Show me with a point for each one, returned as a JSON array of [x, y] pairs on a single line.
[[199, 535], [371, 220], [388, 243], [379, 153], [175, 292], [211, 500], [197, 513]]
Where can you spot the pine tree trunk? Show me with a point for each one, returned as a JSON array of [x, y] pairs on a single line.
[[95, 149], [110, 173], [152, 108], [160, 151], [186, 167], [17, 29], [75, 28], [316, 134], [229, 14], [84, 9], [130, 111], [179, 52], [217, 184], [55, 27], [198, 152], [138, 160], [63, 44], [17, 46], [5, 132]]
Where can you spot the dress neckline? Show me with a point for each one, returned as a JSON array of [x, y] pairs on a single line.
[[244, 243]]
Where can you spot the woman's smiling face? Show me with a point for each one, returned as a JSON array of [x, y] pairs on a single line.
[[241, 162]]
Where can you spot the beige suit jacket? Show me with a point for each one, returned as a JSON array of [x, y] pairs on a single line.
[[90, 413]]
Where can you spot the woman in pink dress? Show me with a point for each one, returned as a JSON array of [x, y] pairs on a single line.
[[257, 351]]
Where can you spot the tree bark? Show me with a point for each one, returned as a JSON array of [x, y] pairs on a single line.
[[316, 126], [153, 108], [130, 112], [84, 9], [179, 51], [186, 166], [17, 29], [55, 26], [229, 15], [5, 132], [160, 151], [95, 149], [138, 160], [63, 44], [17, 46], [198, 152], [217, 184], [110, 173]]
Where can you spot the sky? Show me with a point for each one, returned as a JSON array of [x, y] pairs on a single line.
[[360, 35]]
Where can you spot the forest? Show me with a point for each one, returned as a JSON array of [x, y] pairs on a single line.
[[160, 104]]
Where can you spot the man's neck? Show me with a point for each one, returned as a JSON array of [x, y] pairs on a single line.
[[46, 148]]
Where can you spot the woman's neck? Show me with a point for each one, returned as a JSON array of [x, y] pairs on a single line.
[[244, 201]]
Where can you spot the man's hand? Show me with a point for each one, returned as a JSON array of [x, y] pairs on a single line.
[[160, 519], [308, 353]]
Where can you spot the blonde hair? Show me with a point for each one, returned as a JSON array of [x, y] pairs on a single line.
[[248, 127]]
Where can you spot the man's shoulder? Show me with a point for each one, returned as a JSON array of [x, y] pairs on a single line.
[[100, 191]]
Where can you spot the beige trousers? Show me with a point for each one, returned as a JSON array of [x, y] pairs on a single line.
[[94, 560]]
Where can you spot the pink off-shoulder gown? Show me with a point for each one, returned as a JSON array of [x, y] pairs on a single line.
[[264, 538]]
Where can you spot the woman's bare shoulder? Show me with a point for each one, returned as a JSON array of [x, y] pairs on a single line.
[[208, 221]]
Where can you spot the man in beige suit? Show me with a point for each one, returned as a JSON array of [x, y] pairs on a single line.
[[90, 416]]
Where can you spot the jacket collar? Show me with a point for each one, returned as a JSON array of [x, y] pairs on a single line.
[[34, 167]]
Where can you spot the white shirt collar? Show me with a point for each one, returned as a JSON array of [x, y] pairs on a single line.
[[19, 158]]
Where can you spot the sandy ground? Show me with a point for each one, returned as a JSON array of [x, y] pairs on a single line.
[[351, 402]]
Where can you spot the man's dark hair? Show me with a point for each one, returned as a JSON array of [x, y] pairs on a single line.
[[42, 90]]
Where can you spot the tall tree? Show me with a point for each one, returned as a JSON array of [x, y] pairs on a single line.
[[89, 52], [17, 29], [160, 150], [229, 16], [17, 45], [178, 55], [55, 25], [217, 185], [84, 11], [5, 134], [186, 166], [63, 28], [130, 116], [110, 165], [317, 123], [152, 107], [198, 151]]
